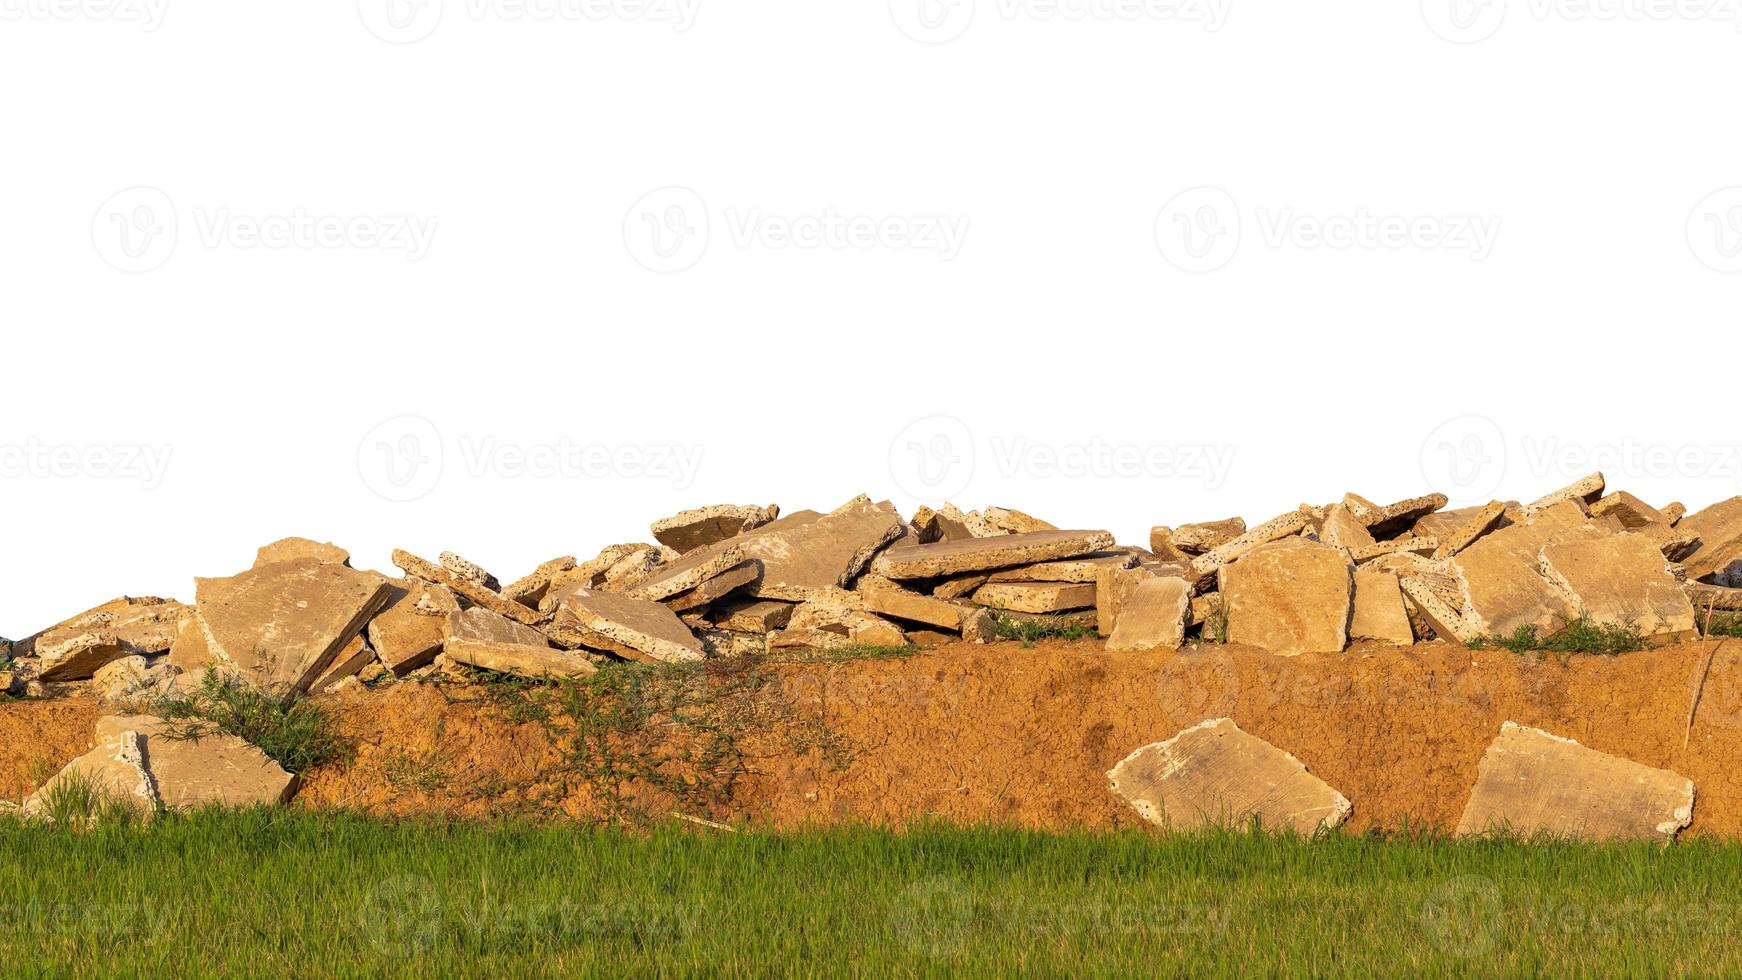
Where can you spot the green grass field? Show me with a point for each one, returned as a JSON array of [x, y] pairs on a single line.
[[291, 892]]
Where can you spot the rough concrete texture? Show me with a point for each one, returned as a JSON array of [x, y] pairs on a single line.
[[639, 624], [1379, 613], [281, 625], [1153, 613], [913, 561], [1214, 774], [1036, 597], [480, 638], [688, 530], [1531, 781], [1290, 597], [1621, 579], [1500, 575]]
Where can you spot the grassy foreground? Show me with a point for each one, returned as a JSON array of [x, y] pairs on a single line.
[[311, 893]]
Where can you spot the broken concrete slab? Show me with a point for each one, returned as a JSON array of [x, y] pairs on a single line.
[[1340, 529], [1620, 579], [75, 648], [349, 663], [1152, 614], [409, 631], [690, 571], [1379, 612], [1036, 597], [1454, 540], [1445, 620], [469, 570], [1500, 574], [1290, 597], [1195, 539], [1012, 521], [688, 530], [115, 771], [1214, 774], [714, 589], [901, 604], [531, 587], [1718, 559], [213, 768], [1530, 781], [1082, 569], [289, 549], [480, 638], [280, 625], [1275, 529], [754, 616], [807, 553], [640, 624], [1630, 511], [1584, 491], [1392, 519], [911, 561], [467, 588], [1163, 546], [1396, 546]]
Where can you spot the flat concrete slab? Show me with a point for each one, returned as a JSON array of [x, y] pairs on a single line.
[[1531, 781], [953, 557], [1214, 774]]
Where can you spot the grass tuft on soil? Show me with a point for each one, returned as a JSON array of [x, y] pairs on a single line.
[[288, 892], [1582, 635], [1030, 630], [298, 736]]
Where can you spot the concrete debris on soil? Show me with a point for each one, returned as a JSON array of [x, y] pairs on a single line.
[[1530, 781], [729, 579], [1214, 774]]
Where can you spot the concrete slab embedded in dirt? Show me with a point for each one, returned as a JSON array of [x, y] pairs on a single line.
[[1530, 780], [213, 768], [1214, 774], [280, 625], [910, 561]]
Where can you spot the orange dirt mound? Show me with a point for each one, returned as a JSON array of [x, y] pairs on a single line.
[[1022, 735]]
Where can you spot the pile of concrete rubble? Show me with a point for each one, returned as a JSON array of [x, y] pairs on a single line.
[[727, 580]]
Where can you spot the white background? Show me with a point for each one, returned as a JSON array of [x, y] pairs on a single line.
[[303, 386]]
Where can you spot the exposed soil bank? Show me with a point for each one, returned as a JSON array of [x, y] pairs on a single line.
[[1023, 735]]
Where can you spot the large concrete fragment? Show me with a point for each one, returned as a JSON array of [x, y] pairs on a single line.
[[902, 604], [688, 530], [1629, 511], [1082, 569], [1152, 614], [290, 549], [197, 766], [409, 632], [1456, 539], [911, 561], [466, 587], [1718, 559], [123, 627], [712, 590], [1531, 781], [1580, 491], [1290, 597], [1392, 519], [806, 553], [480, 638], [1214, 774], [531, 587], [115, 772], [1012, 521], [639, 624], [1445, 620], [1275, 529], [1340, 529], [1195, 539], [1379, 611], [1501, 579], [280, 625], [689, 572], [1620, 579]]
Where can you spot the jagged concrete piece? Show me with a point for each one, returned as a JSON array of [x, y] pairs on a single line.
[[1195, 539], [530, 588], [281, 625], [1392, 519], [1629, 510], [469, 570], [1275, 529], [1396, 546], [467, 588], [1718, 558], [213, 768], [1153, 613], [115, 770], [75, 648], [1583, 490], [480, 638], [1379, 612], [902, 604], [1214, 774], [1500, 575], [1340, 529], [1290, 597], [1530, 780], [954, 557], [688, 530], [1036, 597], [639, 624], [1479, 523], [289, 549], [689, 572], [1013, 521], [716, 588], [1447, 621], [1620, 579], [754, 616], [1082, 569], [806, 553], [409, 632]]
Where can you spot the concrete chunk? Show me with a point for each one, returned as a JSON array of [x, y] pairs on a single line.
[[481, 638], [910, 561], [212, 769], [913, 607], [1036, 597], [281, 625], [639, 624], [1214, 774], [289, 549], [1620, 579], [1456, 539], [1531, 781], [754, 616], [1290, 597], [1153, 614], [115, 771], [1500, 577], [75, 648], [1379, 612], [1082, 569], [1718, 559], [468, 588], [409, 632], [689, 572], [1195, 539], [1583, 490], [1275, 529], [688, 530]]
